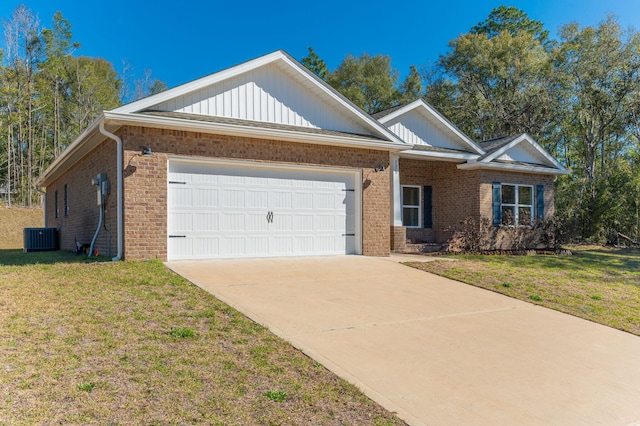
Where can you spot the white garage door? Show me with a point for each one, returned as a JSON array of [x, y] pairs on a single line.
[[225, 210]]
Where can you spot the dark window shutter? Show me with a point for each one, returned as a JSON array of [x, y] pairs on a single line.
[[497, 211], [540, 202], [428, 207]]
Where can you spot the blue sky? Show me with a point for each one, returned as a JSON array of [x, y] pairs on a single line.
[[184, 40]]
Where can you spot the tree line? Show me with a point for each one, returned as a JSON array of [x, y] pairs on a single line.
[[48, 96], [578, 95]]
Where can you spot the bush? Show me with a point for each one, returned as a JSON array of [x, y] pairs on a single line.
[[474, 236]]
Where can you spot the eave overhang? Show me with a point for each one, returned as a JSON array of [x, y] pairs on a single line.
[[91, 137], [81, 146], [287, 135], [532, 169], [439, 156]]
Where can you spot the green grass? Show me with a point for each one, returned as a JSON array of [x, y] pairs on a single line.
[[598, 284], [132, 343]]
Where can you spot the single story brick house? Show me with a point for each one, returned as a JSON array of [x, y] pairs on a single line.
[[265, 159]]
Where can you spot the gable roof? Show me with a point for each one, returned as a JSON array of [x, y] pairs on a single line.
[[518, 153], [420, 124], [274, 89]]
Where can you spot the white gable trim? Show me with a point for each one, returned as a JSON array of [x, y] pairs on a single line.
[[527, 139], [421, 104], [342, 103]]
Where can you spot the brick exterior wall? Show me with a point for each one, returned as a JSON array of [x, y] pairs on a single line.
[[454, 197], [487, 177], [146, 180], [398, 239], [460, 194], [83, 214]]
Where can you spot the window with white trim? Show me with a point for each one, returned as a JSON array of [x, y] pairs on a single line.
[[411, 206], [516, 204]]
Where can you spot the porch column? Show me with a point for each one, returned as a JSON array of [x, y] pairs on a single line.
[[396, 194], [398, 232]]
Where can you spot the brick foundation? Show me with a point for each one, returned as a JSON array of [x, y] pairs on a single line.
[[398, 239]]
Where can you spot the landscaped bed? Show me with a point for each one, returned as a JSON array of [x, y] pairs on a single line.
[[133, 343], [596, 283]]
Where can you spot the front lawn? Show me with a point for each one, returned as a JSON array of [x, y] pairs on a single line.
[[598, 284], [133, 343]]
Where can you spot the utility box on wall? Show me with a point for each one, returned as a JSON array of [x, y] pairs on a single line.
[[40, 239]]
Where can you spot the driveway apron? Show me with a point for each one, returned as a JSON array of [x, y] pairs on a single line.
[[433, 350]]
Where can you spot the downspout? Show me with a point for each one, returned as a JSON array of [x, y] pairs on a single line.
[[119, 190]]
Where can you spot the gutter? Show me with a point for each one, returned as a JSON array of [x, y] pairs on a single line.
[[251, 131], [120, 190]]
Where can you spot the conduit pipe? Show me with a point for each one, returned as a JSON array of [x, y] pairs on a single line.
[[119, 190], [95, 236]]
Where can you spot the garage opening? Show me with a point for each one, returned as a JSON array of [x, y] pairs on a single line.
[[238, 209]]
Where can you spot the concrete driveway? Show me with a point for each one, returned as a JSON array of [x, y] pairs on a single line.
[[435, 351]]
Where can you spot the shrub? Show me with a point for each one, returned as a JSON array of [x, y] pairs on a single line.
[[474, 236]]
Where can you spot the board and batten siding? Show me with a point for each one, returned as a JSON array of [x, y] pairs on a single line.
[[267, 94], [525, 153], [414, 129]]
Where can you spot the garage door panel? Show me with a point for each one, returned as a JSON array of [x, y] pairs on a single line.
[[255, 222], [205, 221], [232, 198], [282, 222], [233, 222], [205, 197], [225, 210], [180, 196], [281, 199], [206, 247], [182, 222]]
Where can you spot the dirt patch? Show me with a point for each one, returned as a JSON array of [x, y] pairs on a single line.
[[12, 222]]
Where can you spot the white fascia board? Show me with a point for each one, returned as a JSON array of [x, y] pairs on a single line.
[[249, 131], [77, 147], [434, 113], [444, 156], [526, 138], [478, 165]]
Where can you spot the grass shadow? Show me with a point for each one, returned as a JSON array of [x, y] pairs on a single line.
[[17, 257], [626, 259]]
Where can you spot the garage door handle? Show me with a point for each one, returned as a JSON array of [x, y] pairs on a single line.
[[177, 236], [270, 217], [348, 235]]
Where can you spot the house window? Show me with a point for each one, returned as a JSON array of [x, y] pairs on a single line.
[[55, 204], [516, 204], [411, 206], [66, 200]]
